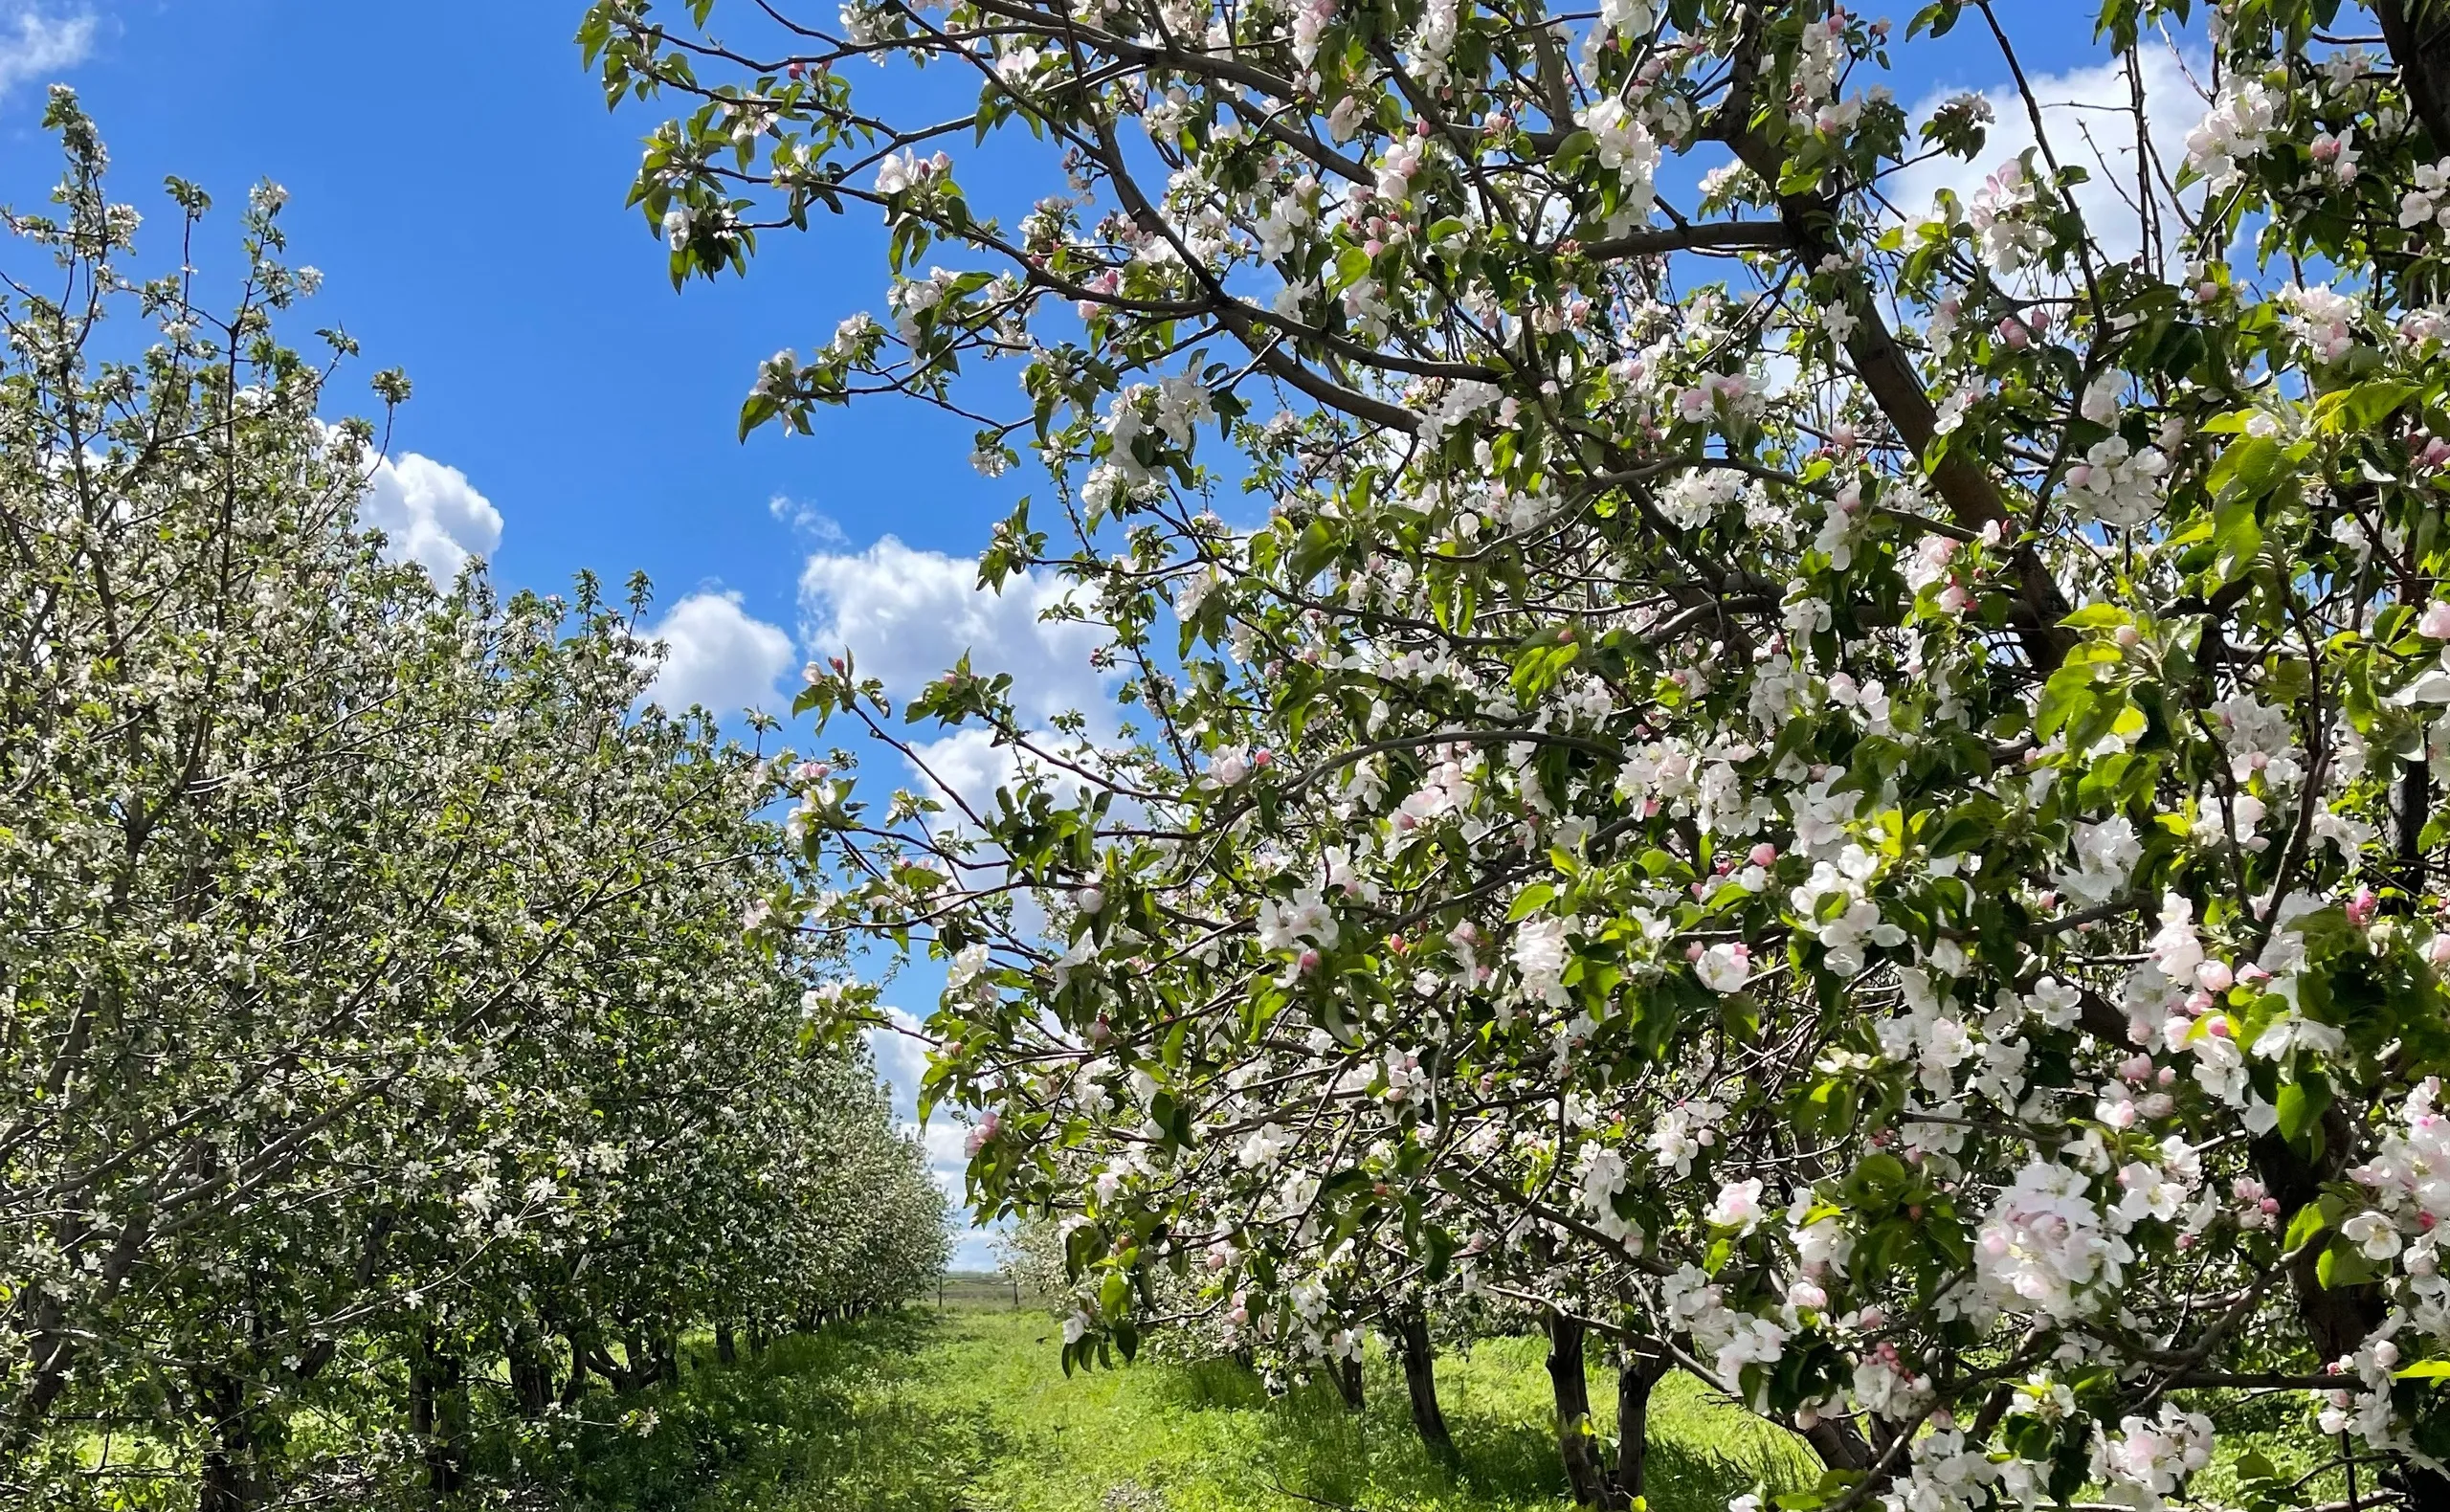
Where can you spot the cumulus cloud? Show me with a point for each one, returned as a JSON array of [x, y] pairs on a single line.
[[901, 1059], [908, 615], [2088, 114], [429, 514], [718, 654], [37, 41]]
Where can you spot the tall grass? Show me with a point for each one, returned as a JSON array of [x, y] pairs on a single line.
[[969, 1411]]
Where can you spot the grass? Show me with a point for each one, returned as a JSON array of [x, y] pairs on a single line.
[[969, 1411]]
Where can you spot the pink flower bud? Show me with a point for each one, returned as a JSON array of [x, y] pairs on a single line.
[[2214, 976], [2434, 624]]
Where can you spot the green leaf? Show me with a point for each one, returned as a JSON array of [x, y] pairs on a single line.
[[2361, 406], [1571, 152], [1530, 901], [2300, 1103], [2343, 1265], [2310, 1220], [2248, 469], [2236, 536]]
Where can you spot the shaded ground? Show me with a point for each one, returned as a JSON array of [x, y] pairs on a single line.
[[971, 1410]]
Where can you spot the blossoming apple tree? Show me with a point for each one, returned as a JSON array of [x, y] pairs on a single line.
[[381, 1059], [1861, 777]]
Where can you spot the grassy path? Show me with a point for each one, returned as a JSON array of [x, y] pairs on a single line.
[[971, 1410]]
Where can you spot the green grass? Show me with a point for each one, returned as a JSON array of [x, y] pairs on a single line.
[[969, 1410]]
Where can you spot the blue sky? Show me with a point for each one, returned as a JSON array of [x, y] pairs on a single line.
[[453, 172]]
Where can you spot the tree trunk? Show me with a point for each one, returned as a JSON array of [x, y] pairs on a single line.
[[526, 1352], [1420, 1383], [1572, 1390], [724, 1350], [1634, 1379], [438, 1416], [574, 1390], [227, 1479], [2419, 37], [1839, 1445], [1347, 1379]]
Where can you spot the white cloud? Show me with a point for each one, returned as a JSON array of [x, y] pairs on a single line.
[[807, 519], [908, 615], [2088, 114], [430, 514], [901, 1059], [714, 653], [35, 44]]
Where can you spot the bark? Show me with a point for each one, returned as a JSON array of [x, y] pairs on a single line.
[[439, 1417], [574, 1390], [2418, 36], [1839, 1447], [1347, 1379], [1420, 1383], [227, 1481], [621, 1377], [725, 1351], [532, 1365], [2414, 797], [1573, 1391], [1634, 1379]]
